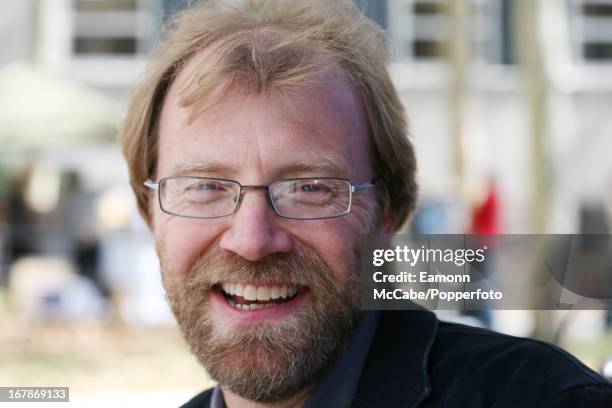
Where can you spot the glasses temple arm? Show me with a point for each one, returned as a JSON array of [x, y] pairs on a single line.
[[363, 186], [151, 184]]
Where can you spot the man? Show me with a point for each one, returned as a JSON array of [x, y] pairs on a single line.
[[264, 142]]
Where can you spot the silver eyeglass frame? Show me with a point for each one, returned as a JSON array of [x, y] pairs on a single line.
[[355, 188]]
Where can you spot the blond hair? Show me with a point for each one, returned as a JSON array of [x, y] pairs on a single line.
[[264, 46]]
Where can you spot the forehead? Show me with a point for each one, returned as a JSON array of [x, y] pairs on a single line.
[[322, 126]]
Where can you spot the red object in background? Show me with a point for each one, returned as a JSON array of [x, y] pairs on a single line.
[[485, 216]]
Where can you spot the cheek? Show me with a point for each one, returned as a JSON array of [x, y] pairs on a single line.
[[334, 242], [338, 241], [182, 241]]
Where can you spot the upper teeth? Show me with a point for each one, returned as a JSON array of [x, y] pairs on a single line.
[[252, 292]]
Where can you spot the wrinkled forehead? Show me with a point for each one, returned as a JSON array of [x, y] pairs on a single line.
[[205, 83]]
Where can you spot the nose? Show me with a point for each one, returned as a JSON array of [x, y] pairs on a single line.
[[254, 232]]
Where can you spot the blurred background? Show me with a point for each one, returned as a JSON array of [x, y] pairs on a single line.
[[510, 103]]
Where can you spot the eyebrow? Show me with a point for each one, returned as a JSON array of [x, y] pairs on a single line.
[[323, 167], [328, 167], [187, 169]]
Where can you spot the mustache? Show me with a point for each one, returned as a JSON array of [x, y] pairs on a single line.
[[301, 267]]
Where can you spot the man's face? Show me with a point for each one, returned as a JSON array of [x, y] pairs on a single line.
[[304, 271]]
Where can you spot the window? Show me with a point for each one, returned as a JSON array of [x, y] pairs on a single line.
[[121, 28], [591, 28], [421, 29]]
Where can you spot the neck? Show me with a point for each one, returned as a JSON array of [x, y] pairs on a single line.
[[235, 401]]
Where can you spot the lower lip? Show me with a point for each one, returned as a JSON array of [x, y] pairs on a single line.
[[222, 308]]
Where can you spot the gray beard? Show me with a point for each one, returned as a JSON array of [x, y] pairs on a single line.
[[273, 361]]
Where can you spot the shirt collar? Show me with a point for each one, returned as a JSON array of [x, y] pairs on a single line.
[[338, 387], [396, 370], [216, 400]]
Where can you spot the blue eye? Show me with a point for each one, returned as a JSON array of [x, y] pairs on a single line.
[[207, 186], [314, 188], [311, 192], [206, 191]]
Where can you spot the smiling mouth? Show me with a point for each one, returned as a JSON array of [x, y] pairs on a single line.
[[252, 297]]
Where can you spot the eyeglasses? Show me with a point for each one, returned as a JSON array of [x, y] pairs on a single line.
[[298, 198]]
